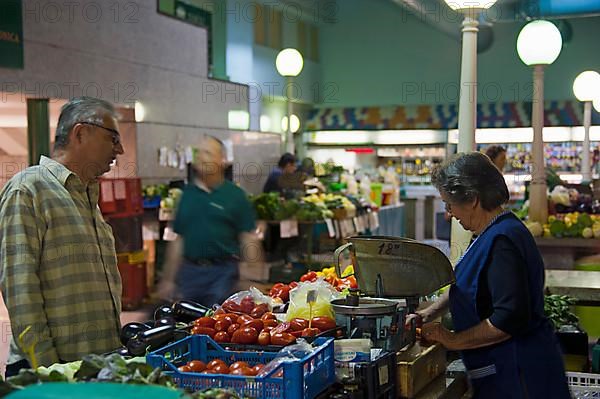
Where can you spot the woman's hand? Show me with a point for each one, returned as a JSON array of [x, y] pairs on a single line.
[[435, 332]]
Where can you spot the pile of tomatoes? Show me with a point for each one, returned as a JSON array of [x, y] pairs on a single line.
[[265, 330], [282, 291], [338, 283], [218, 366]]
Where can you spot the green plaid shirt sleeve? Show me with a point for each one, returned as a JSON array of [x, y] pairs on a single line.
[[20, 251]]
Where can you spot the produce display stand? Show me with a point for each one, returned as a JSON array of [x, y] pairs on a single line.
[[584, 286], [561, 253], [308, 238]]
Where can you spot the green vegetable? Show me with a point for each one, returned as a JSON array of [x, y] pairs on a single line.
[[558, 310], [557, 228]]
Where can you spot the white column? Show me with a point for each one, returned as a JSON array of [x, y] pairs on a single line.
[[586, 170], [289, 137], [467, 117], [467, 109], [538, 198]]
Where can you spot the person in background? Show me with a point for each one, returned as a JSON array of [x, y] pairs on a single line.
[[215, 229], [284, 171], [59, 273], [497, 154], [506, 342]]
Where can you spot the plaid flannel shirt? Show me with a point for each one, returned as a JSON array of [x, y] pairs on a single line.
[[58, 265]]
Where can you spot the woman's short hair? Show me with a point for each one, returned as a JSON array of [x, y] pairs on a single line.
[[494, 150], [466, 176], [286, 159]]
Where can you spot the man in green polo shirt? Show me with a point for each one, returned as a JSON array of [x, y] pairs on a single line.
[[215, 227]]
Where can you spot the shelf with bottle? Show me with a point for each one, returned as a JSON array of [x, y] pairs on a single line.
[[560, 156]]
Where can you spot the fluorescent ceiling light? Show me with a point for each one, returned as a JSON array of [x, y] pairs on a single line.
[[404, 137], [238, 120]]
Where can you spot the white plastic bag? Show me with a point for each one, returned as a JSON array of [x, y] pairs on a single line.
[[299, 308]]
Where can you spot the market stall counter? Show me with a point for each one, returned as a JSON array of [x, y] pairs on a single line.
[[562, 253]]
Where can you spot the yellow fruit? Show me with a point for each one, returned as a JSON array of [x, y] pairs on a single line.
[[547, 233], [349, 270], [551, 218], [587, 233]]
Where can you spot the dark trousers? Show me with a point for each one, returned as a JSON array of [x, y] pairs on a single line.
[[207, 284]]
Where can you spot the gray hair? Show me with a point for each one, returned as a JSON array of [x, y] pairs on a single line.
[[80, 109], [467, 176], [219, 142]]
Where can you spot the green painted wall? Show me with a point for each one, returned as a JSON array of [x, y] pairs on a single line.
[[377, 55]]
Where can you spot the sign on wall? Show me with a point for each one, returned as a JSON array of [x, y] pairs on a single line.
[[11, 34]]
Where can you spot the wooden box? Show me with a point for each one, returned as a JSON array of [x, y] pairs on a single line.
[[415, 371]]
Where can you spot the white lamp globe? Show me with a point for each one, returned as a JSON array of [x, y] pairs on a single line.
[[596, 103], [459, 5], [295, 123], [289, 62], [539, 43], [586, 86]]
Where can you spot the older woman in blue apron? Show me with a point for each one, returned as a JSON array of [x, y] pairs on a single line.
[[497, 304]]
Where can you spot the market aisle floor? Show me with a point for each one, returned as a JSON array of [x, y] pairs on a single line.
[[126, 317]]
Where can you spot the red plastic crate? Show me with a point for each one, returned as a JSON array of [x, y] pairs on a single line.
[[127, 231], [133, 276], [121, 197]]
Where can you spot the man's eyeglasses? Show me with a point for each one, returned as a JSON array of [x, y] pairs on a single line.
[[116, 137], [448, 207]]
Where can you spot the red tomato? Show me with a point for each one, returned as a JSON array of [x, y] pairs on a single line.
[[205, 322], [238, 364], [196, 330], [243, 319], [323, 323], [275, 287], [310, 276], [298, 324], [268, 316], [310, 332], [197, 366], [282, 339], [245, 335], [270, 323], [257, 368], [264, 338], [257, 324], [221, 369], [296, 334], [293, 285], [232, 328], [222, 336], [231, 306], [185, 369], [231, 317], [223, 325], [210, 371], [244, 370], [282, 293], [247, 304], [218, 311], [259, 310], [213, 363], [352, 281]]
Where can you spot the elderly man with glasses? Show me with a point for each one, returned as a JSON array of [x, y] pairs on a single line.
[[59, 275]]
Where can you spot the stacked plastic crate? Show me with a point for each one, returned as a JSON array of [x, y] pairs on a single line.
[[121, 204]]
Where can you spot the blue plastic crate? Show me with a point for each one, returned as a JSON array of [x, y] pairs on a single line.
[[151, 202], [302, 379]]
